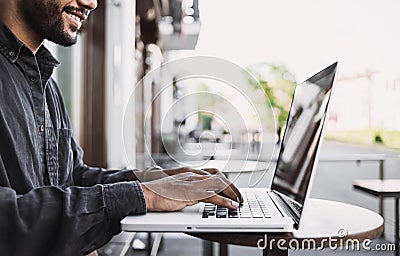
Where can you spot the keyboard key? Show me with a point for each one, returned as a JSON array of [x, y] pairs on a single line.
[[253, 207], [221, 215], [245, 214]]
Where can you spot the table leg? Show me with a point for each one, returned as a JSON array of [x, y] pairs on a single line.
[[396, 226], [223, 249], [382, 177], [381, 212], [382, 169], [208, 248], [270, 250], [156, 244], [149, 243], [275, 252]]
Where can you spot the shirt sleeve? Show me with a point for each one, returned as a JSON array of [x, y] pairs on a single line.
[[72, 221]]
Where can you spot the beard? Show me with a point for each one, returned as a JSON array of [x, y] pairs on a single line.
[[45, 17]]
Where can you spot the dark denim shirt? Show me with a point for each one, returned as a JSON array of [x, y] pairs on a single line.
[[51, 203]]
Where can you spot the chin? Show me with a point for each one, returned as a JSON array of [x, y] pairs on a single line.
[[64, 40], [61, 34], [69, 37]]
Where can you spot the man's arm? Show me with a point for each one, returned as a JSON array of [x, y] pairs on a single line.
[[71, 221], [87, 176]]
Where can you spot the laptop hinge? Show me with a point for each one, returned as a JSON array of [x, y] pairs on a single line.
[[285, 204]]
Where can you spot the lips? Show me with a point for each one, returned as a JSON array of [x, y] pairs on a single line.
[[76, 15]]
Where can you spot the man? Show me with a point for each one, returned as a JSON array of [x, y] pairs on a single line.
[[51, 203]]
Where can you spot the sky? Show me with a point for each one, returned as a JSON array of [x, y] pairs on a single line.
[[304, 35]]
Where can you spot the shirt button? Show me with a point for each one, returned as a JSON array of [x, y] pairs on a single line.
[[11, 53], [41, 128]]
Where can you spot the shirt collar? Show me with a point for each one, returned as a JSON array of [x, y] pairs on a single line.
[[45, 57], [11, 47]]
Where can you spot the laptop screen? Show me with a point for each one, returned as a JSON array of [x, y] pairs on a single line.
[[302, 136]]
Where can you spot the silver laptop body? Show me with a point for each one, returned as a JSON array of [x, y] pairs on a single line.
[[275, 209]]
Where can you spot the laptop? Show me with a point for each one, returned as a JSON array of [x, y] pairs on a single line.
[[275, 209]]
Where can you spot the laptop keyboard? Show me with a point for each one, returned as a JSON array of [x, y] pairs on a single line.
[[252, 207]]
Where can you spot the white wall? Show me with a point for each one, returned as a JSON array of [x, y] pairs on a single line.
[[121, 78], [361, 104]]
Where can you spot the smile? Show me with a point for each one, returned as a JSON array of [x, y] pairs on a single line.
[[76, 18], [76, 15]]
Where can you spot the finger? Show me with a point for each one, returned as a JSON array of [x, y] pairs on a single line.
[[211, 170], [228, 189], [191, 170], [218, 185], [235, 190], [190, 203], [231, 191], [188, 176], [200, 171], [221, 201]]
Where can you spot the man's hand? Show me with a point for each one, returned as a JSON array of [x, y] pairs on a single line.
[[156, 172], [175, 192]]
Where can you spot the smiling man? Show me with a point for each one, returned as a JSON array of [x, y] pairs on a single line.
[[51, 203]]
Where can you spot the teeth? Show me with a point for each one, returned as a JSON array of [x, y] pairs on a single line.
[[75, 17]]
